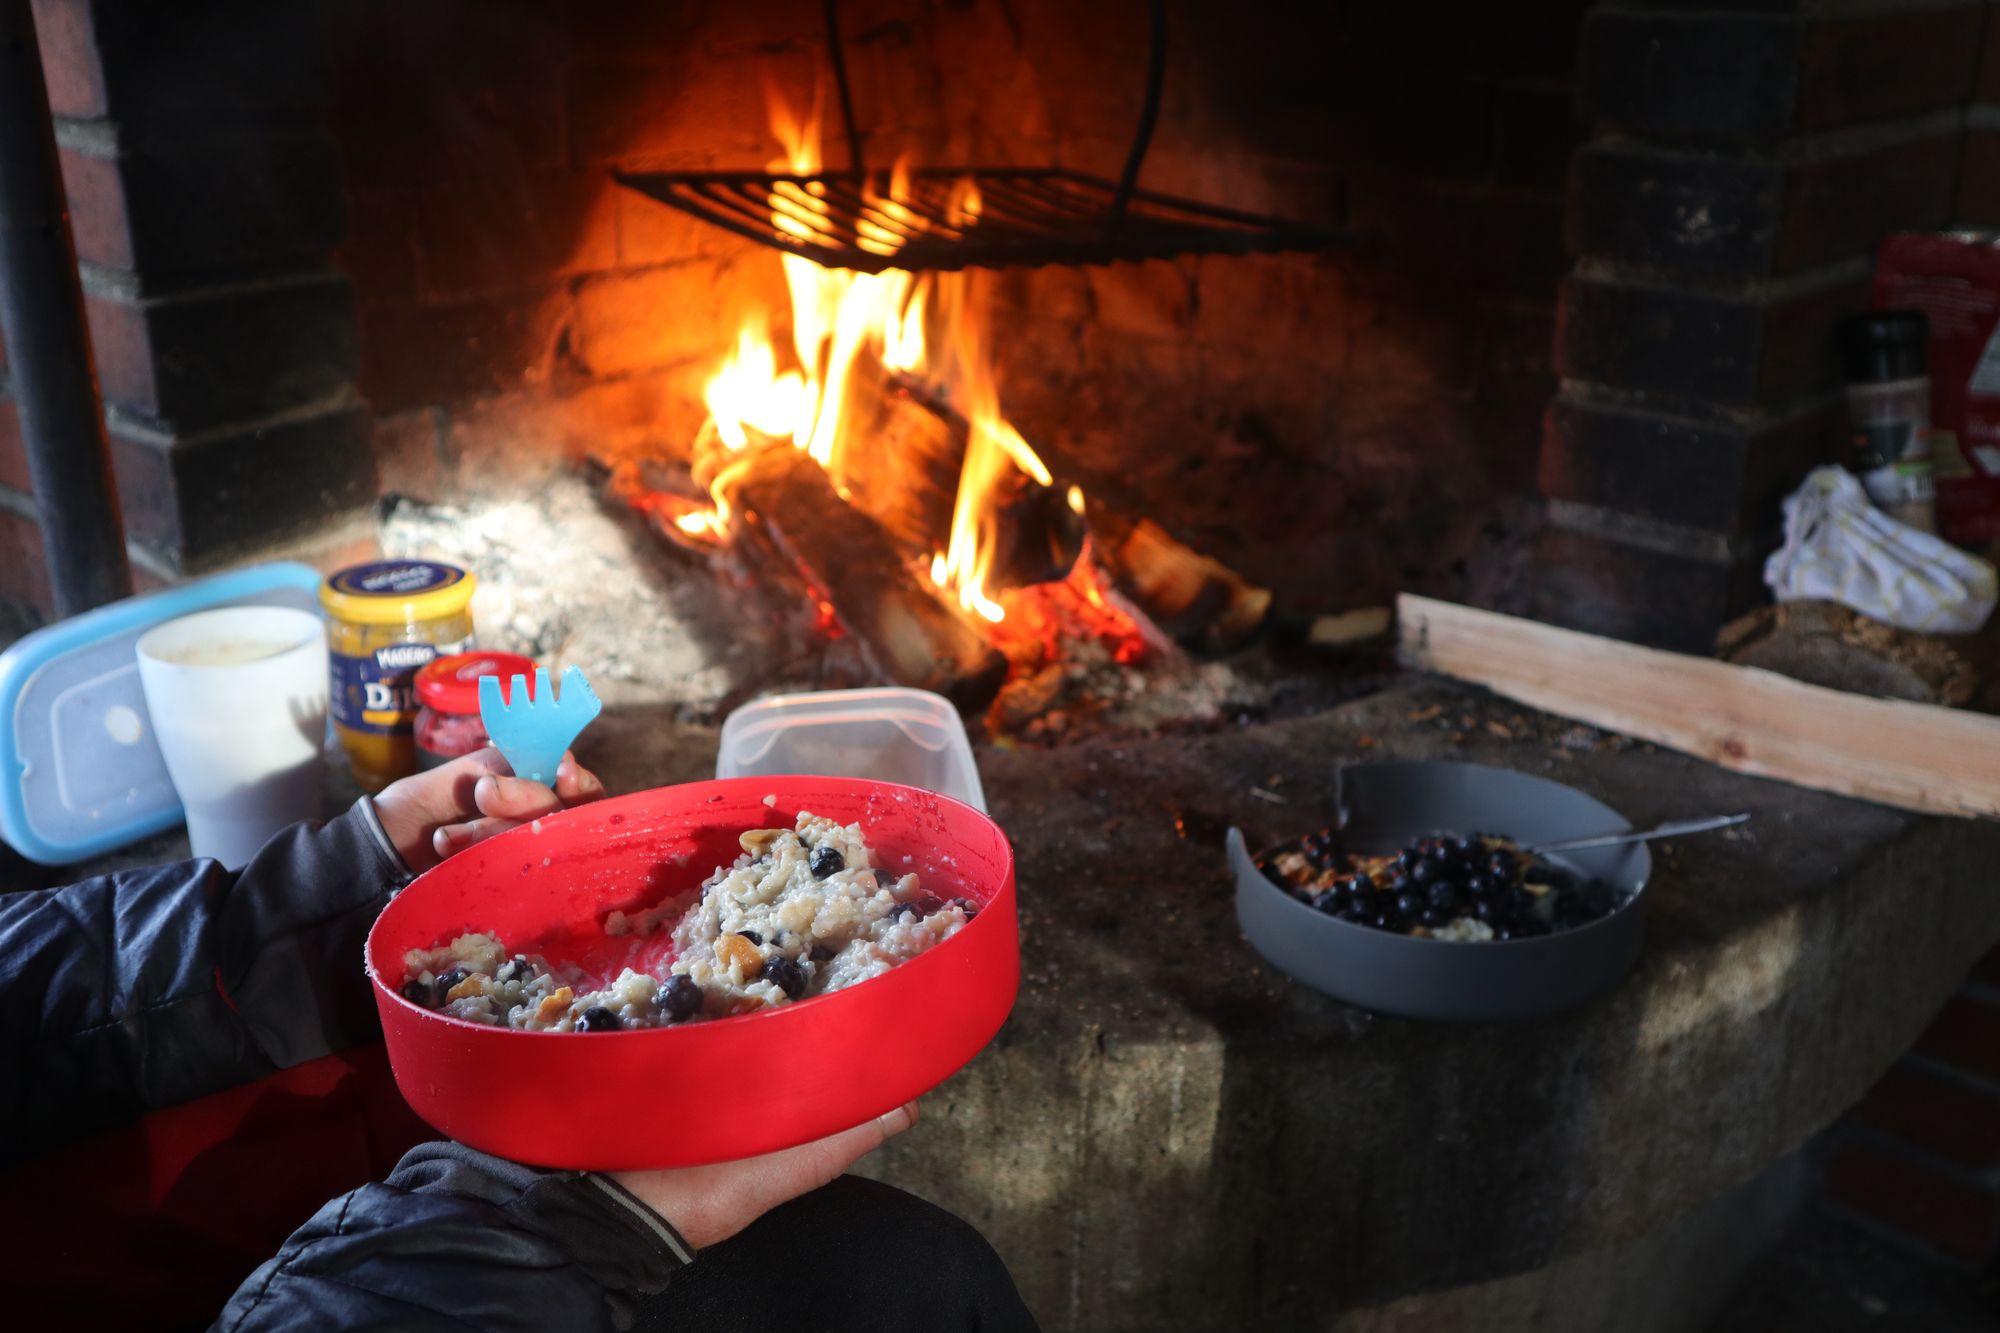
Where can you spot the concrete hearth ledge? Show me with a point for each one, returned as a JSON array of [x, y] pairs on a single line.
[[1169, 1135]]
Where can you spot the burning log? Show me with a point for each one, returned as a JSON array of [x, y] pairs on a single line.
[[785, 502], [1199, 601], [920, 444], [909, 484], [903, 463]]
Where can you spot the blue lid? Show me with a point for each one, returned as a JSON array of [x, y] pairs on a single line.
[[80, 773]]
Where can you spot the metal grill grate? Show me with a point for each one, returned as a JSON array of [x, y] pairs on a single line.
[[1026, 216]]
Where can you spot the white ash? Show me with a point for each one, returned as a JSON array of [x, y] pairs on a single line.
[[1090, 690], [562, 581]]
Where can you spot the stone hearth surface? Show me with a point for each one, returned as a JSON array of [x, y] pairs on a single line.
[[1169, 1134]]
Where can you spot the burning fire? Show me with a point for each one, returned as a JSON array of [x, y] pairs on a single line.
[[844, 324]]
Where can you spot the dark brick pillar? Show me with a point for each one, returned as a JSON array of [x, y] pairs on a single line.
[[206, 198], [1744, 165], [1978, 199]]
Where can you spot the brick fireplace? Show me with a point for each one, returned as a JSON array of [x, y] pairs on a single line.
[[1579, 347]]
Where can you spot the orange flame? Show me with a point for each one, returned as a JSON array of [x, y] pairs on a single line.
[[840, 317]]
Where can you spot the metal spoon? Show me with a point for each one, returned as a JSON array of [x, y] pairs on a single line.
[[1671, 829]]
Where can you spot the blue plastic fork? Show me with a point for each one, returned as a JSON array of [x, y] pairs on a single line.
[[532, 732]]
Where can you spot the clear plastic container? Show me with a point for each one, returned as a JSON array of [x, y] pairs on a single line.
[[912, 737]]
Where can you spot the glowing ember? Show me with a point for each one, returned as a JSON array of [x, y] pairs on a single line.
[[1044, 622]]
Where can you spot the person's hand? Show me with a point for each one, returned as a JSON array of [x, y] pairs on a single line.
[[707, 1204], [430, 815]]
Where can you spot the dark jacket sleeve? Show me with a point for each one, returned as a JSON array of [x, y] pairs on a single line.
[[142, 989], [456, 1239]]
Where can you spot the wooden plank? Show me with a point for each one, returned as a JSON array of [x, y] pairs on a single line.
[[1914, 756]]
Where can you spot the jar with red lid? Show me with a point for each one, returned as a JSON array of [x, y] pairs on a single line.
[[448, 722]]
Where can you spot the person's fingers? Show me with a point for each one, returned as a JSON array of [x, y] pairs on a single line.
[[708, 1204], [499, 797], [796, 1171], [464, 774], [457, 837], [576, 784]]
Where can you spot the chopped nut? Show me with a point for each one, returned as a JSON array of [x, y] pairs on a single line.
[[552, 1006], [756, 840], [472, 986], [739, 952]]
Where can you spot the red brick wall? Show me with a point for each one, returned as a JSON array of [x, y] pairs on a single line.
[[1338, 423], [1918, 1162]]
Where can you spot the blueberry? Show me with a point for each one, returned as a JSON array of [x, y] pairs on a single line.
[[1502, 868], [1433, 917], [680, 999], [1443, 897], [516, 968], [826, 861], [906, 911], [598, 1019], [1484, 909], [1406, 860], [1329, 902], [1360, 884], [820, 953], [1409, 904], [1503, 932], [1383, 921], [752, 936], [1466, 845], [1426, 872], [446, 981], [787, 975], [967, 906], [1530, 927], [416, 992]]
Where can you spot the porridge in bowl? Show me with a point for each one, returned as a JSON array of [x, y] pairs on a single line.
[[1468, 888], [803, 911]]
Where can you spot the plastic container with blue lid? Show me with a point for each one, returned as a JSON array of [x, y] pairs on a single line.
[[80, 773]]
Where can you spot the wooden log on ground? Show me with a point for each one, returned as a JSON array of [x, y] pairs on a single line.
[[783, 500], [1915, 756], [1825, 643]]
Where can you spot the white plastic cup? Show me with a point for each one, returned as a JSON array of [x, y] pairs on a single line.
[[238, 705]]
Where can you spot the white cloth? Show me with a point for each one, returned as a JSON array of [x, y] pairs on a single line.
[[1840, 548]]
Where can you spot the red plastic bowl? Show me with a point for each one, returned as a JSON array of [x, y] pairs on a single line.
[[710, 1091]]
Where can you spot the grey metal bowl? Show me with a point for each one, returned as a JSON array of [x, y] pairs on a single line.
[[1388, 805]]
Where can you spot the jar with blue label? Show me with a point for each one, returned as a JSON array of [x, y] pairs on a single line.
[[386, 621]]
